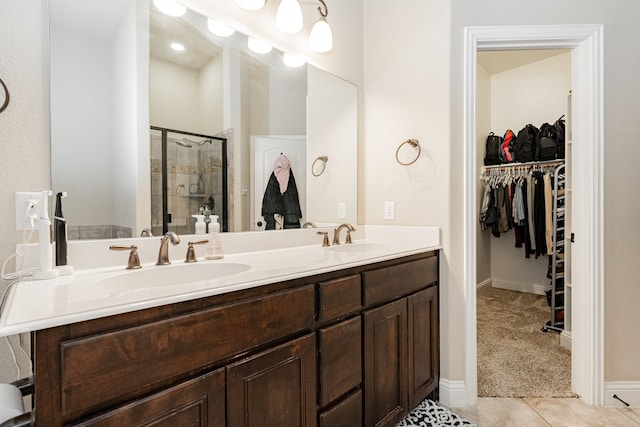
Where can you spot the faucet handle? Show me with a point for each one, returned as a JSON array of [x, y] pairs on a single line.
[[191, 252], [134, 259], [348, 239], [325, 240]]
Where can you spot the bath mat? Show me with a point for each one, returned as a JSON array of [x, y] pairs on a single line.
[[429, 414]]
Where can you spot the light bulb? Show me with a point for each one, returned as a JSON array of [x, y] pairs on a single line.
[[218, 28], [177, 46], [292, 60], [170, 7], [251, 4], [289, 16], [258, 46], [321, 39]]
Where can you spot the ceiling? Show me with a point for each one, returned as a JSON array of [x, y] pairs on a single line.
[[499, 61]]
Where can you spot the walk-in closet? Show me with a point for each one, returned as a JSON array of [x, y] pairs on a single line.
[[523, 295]]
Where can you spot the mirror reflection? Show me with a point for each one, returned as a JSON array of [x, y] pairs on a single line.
[[145, 136]]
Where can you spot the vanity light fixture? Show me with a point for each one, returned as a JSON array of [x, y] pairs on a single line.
[[292, 60], [258, 46], [170, 7], [177, 46], [321, 38], [289, 16], [219, 28], [251, 4]]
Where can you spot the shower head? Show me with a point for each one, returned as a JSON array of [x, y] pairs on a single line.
[[183, 144], [192, 143]]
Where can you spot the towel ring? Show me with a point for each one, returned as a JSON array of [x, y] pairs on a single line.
[[324, 160], [6, 97], [413, 143]]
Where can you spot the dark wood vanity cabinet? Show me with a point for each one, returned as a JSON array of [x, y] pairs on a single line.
[[401, 340], [348, 348]]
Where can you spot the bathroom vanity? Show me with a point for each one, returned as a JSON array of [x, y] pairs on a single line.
[[356, 344]]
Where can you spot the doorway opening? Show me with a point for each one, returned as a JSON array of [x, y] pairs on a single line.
[[585, 43], [523, 92]]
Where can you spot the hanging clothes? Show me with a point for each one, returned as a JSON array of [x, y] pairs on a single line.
[[280, 203], [521, 199]]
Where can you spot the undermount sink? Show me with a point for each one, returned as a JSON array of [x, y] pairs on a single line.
[[358, 247], [169, 275]]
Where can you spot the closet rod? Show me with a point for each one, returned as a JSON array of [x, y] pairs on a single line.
[[507, 166]]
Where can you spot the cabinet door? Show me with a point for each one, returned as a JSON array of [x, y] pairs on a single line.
[[423, 345], [199, 402], [274, 388], [385, 364]]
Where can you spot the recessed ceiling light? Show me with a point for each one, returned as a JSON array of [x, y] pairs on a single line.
[[170, 7], [177, 46]]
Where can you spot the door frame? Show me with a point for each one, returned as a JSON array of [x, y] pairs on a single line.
[[587, 305]]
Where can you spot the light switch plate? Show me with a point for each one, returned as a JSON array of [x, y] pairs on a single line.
[[342, 210]]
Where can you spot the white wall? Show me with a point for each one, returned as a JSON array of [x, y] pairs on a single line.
[[81, 68], [483, 124], [535, 93], [24, 140], [287, 101], [211, 113], [174, 106]]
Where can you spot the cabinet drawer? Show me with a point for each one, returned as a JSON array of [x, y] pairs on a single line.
[[386, 284], [347, 413], [338, 297], [340, 359], [110, 368]]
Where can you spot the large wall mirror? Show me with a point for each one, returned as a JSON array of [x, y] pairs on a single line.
[[145, 136]]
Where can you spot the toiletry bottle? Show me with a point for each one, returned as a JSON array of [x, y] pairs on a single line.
[[200, 225], [214, 248], [60, 232]]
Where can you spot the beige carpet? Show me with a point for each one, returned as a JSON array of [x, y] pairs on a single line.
[[516, 359]]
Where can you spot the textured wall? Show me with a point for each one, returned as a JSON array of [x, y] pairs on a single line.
[[24, 129]]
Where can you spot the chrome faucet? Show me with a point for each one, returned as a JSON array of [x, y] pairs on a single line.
[[146, 232], [336, 233], [163, 254]]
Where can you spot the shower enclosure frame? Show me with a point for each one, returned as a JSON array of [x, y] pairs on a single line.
[[165, 173]]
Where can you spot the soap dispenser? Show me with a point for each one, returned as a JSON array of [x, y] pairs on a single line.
[[200, 225], [214, 248]]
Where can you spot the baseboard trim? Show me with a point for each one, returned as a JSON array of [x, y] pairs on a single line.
[[453, 394], [629, 391], [531, 288], [484, 285], [565, 339]]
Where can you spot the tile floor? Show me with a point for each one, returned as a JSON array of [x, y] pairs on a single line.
[[534, 412]]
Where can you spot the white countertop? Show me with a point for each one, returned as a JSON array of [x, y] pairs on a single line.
[[90, 293]]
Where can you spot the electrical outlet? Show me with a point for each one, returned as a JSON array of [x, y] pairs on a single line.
[[27, 203], [389, 210], [342, 210]]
